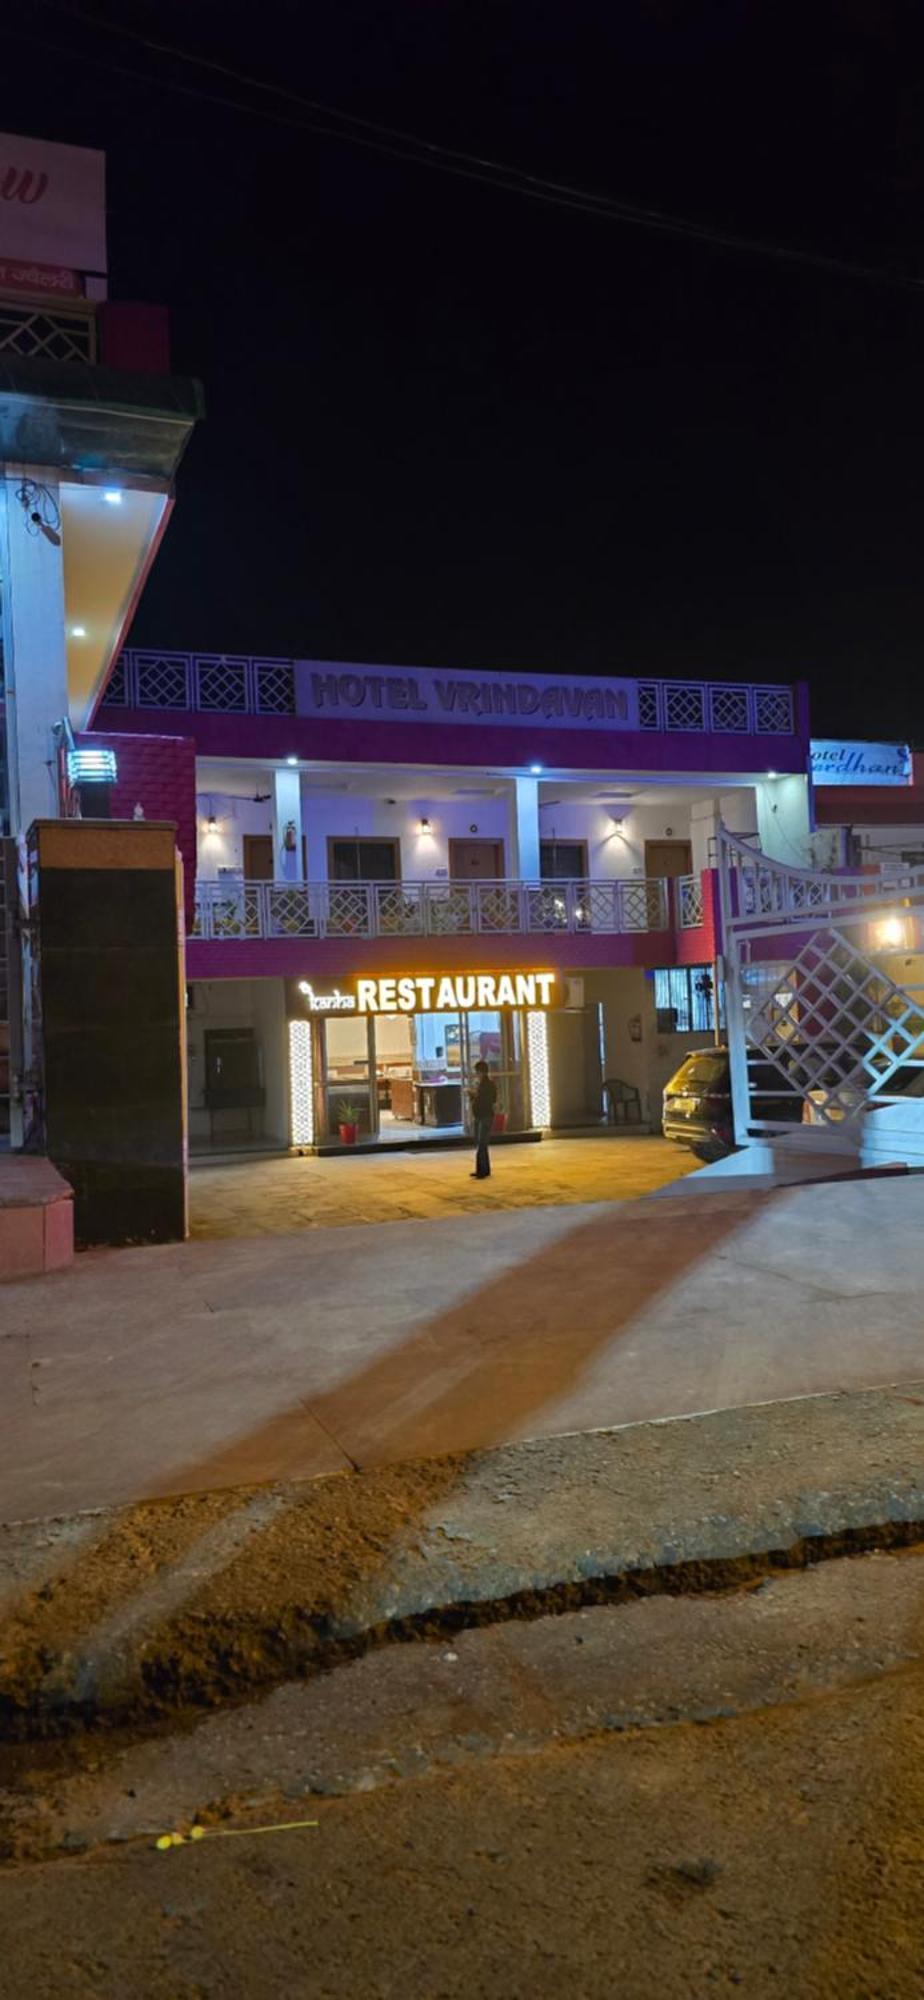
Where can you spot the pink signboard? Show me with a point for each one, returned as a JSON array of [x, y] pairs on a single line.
[[52, 206]]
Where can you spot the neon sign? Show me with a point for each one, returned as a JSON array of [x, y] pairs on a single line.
[[436, 993]]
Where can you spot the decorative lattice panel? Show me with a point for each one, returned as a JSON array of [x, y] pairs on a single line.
[[498, 907], [301, 1084], [689, 891], [221, 683], [450, 911], [729, 710], [289, 910], [34, 333], [773, 711], [274, 685], [399, 909], [648, 708], [349, 910], [684, 705], [117, 685], [162, 680], [546, 906], [833, 1022]]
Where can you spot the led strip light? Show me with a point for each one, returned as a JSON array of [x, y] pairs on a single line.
[[537, 1046], [301, 1084]]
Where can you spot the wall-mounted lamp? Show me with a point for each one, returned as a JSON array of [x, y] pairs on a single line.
[[890, 932], [423, 826], [91, 767], [211, 824]]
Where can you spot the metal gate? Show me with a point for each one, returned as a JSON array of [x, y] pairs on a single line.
[[824, 981]]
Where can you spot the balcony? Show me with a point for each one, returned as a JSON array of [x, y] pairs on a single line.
[[226, 911]]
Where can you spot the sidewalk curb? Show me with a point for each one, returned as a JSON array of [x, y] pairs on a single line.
[[136, 1614]]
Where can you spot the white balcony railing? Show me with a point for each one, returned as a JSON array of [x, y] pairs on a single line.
[[227, 910], [688, 890]]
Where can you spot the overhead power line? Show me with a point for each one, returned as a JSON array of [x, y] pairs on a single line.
[[328, 121]]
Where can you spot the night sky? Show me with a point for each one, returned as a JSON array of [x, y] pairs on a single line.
[[449, 425]]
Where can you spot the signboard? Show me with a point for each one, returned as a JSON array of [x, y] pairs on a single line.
[[430, 993], [52, 207], [836, 763], [544, 701]]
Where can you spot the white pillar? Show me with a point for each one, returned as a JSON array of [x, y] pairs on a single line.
[[523, 830], [287, 812], [34, 646]]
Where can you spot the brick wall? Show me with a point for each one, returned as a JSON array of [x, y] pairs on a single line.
[[158, 773]]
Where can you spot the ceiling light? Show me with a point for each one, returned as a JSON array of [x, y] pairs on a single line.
[[112, 496], [78, 631], [772, 774], [291, 760], [535, 770]]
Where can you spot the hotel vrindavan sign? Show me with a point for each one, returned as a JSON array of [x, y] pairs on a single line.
[[435, 993]]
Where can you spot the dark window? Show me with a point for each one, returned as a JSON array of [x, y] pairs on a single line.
[[363, 860], [684, 1002], [562, 860]]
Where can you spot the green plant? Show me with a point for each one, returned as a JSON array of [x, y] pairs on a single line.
[[347, 1112]]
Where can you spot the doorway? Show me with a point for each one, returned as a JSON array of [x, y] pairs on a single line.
[[476, 860], [258, 857], [667, 858], [363, 860]]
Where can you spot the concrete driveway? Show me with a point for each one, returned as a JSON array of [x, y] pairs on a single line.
[[186, 1367], [258, 1196]]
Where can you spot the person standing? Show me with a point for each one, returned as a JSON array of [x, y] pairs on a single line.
[[484, 1100]]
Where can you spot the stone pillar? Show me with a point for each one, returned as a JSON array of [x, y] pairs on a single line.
[[34, 643], [108, 1026], [523, 830], [287, 812]]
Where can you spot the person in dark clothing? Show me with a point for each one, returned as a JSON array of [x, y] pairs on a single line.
[[484, 1099]]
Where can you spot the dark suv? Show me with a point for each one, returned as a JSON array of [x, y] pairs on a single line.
[[698, 1101]]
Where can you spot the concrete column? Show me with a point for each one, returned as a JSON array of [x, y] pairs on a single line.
[[704, 827], [287, 811], [34, 646], [523, 830]]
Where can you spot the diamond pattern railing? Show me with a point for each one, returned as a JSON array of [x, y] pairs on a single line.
[[688, 890], [47, 333], [810, 989], [238, 683], [217, 683], [426, 909]]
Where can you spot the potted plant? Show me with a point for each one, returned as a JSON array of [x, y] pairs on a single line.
[[347, 1122]]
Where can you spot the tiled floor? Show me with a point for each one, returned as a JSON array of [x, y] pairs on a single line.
[[278, 1194]]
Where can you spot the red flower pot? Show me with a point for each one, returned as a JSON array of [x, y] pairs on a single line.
[[348, 1134]]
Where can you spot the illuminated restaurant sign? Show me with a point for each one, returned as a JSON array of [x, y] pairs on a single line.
[[435, 993]]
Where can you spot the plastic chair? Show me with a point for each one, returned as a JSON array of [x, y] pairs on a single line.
[[623, 1098]]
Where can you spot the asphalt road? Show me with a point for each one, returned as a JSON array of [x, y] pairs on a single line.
[[680, 1797]]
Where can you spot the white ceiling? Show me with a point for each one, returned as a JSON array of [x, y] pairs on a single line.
[[241, 779], [107, 548]]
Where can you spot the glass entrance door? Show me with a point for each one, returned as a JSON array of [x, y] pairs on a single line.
[[496, 1039], [350, 1097]]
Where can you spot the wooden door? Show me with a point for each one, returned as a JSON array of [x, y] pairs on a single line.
[[668, 858], [258, 857], [476, 860]]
